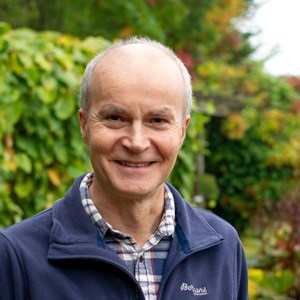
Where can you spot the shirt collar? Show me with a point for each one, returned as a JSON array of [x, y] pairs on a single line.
[[165, 228]]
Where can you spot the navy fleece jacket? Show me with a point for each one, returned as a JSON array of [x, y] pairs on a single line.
[[58, 254]]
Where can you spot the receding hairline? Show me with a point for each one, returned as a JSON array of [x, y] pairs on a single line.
[[148, 47], [144, 50]]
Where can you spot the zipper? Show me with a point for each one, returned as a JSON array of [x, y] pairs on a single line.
[[137, 296], [138, 293]]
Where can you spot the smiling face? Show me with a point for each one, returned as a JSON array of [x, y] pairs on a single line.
[[135, 125]]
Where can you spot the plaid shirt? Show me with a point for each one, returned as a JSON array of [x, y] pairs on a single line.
[[146, 264]]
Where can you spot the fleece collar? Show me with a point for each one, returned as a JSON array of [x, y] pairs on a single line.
[[73, 235]]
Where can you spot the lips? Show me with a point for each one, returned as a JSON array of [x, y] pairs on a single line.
[[135, 165]]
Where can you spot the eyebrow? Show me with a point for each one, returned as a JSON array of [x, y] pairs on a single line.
[[162, 112], [108, 109]]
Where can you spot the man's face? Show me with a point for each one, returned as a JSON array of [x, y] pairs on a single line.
[[135, 125]]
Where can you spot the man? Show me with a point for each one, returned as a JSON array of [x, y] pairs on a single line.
[[122, 232]]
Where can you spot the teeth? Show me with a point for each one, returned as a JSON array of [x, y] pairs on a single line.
[[135, 165]]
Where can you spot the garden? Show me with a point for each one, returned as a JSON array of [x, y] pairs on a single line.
[[241, 158]]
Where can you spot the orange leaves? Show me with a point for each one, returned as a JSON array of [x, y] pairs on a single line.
[[234, 127], [273, 118], [126, 32], [224, 12], [251, 86], [53, 176], [280, 130]]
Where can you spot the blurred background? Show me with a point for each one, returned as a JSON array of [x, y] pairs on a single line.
[[277, 22], [241, 159]]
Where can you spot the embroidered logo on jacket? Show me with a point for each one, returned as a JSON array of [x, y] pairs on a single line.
[[196, 291]]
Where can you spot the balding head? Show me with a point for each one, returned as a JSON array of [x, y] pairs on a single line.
[[126, 53]]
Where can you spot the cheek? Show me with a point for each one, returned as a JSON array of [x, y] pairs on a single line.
[[102, 141], [170, 146], [97, 141]]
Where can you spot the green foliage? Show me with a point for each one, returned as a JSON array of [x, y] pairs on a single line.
[[197, 27], [254, 151], [209, 189], [270, 285], [184, 175], [41, 150], [110, 19]]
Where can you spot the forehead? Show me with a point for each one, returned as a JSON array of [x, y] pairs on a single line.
[[137, 61], [137, 72]]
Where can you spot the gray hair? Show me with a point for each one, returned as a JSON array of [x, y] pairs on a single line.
[[86, 81]]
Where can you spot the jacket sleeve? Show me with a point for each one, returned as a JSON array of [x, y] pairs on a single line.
[[11, 276], [242, 274]]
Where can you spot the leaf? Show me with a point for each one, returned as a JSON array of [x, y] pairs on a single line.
[[61, 151], [75, 170], [27, 145], [69, 79], [23, 189], [16, 64], [4, 47], [11, 114], [65, 107], [4, 28], [54, 176], [43, 63], [26, 60], [23, 162], [43, 94]]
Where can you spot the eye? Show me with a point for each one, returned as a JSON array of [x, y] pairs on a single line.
[[158, 120], [114, 118]]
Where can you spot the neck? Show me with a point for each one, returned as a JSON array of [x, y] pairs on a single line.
[[138, 218]]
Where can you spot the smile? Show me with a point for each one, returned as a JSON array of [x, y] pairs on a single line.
[[135, 165]]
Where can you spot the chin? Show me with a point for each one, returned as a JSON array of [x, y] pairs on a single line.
[[137, 192]]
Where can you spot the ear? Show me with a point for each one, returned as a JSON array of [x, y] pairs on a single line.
[[83, 125], [184, 127]]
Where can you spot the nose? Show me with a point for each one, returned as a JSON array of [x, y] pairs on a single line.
[[136, 140]]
